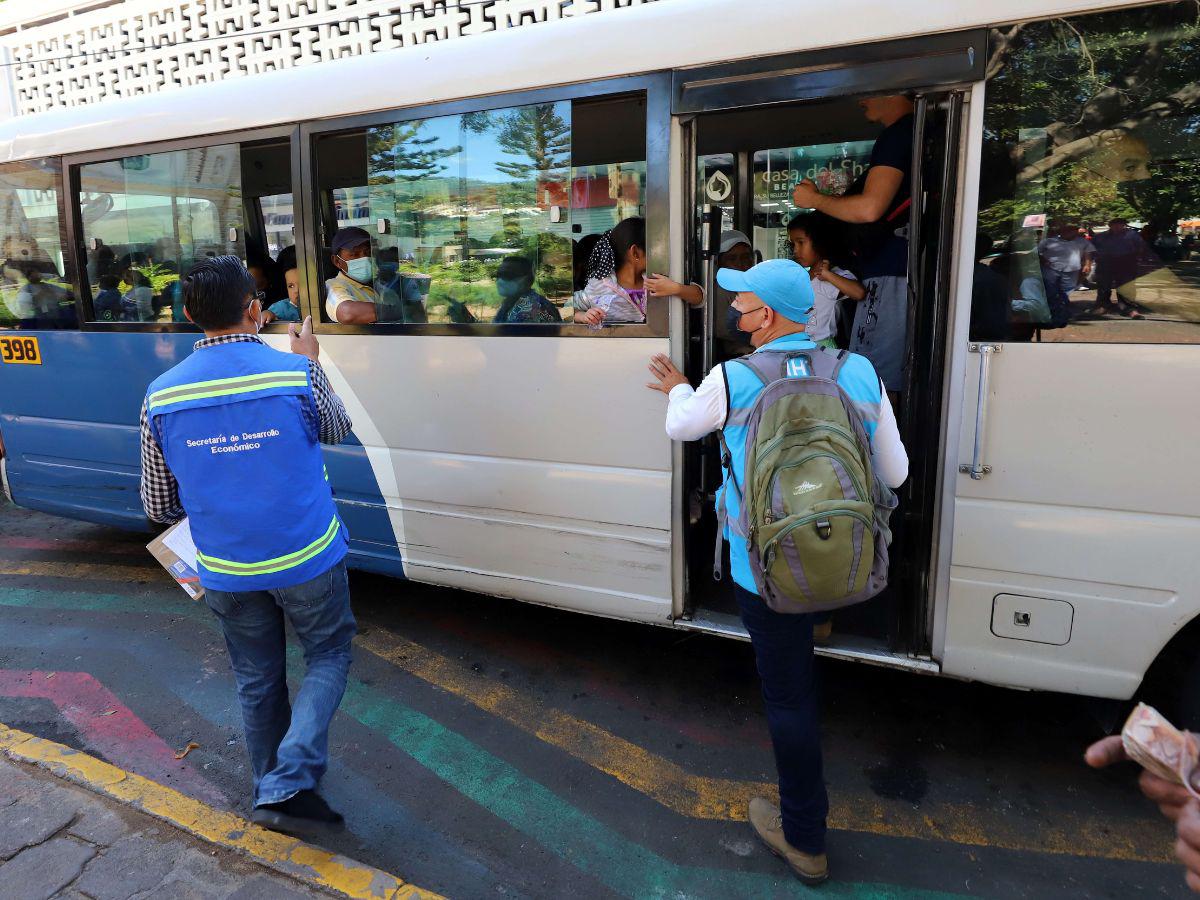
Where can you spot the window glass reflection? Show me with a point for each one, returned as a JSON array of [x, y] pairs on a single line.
[[488, 217], [35, 291], [147, 219], [1090, 181]]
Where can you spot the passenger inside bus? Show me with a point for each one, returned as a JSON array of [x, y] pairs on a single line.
[[107, 303], [519, 302], [615, 291], [815, 245], [287, 309], [734, 252], [877, 203], [137, 303], [356, 295]]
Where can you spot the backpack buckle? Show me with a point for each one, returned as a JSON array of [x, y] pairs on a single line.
[[824, 529]]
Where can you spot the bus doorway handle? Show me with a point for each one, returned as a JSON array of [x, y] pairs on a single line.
[[976, 469]]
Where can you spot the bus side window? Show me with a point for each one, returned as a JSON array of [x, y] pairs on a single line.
[[475, 218], [1088, 204], [35, 286], [147, 219]]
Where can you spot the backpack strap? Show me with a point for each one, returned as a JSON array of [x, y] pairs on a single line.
[[722, 510], [842, 356], [762, 364]]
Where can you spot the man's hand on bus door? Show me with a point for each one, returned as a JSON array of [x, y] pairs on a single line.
[[1170, 798], [805, 194], [667, 375], [304, 342]]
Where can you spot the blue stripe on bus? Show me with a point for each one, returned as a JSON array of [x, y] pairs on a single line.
[[70, 428]]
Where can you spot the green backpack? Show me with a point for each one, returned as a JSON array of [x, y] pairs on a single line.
[[813, 514]]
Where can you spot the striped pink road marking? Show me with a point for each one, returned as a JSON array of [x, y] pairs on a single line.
[[110, 728]]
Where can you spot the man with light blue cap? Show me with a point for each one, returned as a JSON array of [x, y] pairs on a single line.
[[773, 303]]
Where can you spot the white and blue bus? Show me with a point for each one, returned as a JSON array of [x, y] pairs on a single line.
[[1046, 537]]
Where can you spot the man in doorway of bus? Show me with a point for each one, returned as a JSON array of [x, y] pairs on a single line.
[[1173, 800], [231, 438], [772, 304], [877, 205], [355, 296]]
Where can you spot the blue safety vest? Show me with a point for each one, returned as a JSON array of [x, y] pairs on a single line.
[[238, 425], [857, 378]]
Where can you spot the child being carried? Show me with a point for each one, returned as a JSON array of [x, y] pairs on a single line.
[[813, 237]]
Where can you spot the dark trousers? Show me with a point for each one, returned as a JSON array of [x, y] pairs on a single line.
[[1058, 294], [1119, 273], [783, 649]]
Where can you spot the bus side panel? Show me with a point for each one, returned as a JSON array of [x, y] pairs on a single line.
[[1088, 520], [360, 504], [70, 425], [71, 434], [536, 468]]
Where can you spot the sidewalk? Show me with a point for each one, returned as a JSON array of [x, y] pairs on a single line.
[[58, 840]]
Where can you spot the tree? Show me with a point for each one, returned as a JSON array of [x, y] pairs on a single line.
[[539, 134], [398, 156], [1093, 117]]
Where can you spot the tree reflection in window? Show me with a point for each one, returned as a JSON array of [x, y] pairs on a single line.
[[1089, 120]]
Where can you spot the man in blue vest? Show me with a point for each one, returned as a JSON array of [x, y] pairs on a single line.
[[231, 438], [772, 304]]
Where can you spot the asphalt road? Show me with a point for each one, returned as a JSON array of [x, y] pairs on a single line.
[[487, 748]]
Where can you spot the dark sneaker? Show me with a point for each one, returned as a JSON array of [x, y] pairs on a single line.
[[304, 815], [768, 823]]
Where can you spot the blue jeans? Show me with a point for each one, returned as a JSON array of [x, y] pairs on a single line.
[[289, 745], [1059, 285], [783, 650]]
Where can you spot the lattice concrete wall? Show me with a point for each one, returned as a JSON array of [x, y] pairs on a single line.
[[135, 47]]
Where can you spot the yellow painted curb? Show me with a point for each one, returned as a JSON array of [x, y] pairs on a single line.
[[284, 854]]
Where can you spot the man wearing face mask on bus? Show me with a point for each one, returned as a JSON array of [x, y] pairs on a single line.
[[355, 296]]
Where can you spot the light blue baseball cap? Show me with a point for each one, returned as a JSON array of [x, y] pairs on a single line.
[[782, 284]]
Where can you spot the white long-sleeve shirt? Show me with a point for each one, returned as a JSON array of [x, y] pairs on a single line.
[[693, 413]]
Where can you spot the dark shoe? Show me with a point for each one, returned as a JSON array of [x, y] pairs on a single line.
[[767, 822], [305, 814]]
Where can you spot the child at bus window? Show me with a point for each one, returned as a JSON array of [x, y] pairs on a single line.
[[519, 302], [615, 277], [814, 246], [615, 290], [137, 303], [288, 309], [108, 299]]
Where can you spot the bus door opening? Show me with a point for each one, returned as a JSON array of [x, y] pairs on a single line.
[[745, 167]]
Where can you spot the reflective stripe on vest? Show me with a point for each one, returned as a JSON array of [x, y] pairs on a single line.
[[269, 566], [223, 387]]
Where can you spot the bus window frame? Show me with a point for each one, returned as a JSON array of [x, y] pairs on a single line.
[[925, 63], [64, 234], [655, 87], [71, 165]]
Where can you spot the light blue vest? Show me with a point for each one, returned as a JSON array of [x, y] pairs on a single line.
[[239, 428], [857, 378]]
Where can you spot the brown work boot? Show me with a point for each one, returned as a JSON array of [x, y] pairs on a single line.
[[768, 823]]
